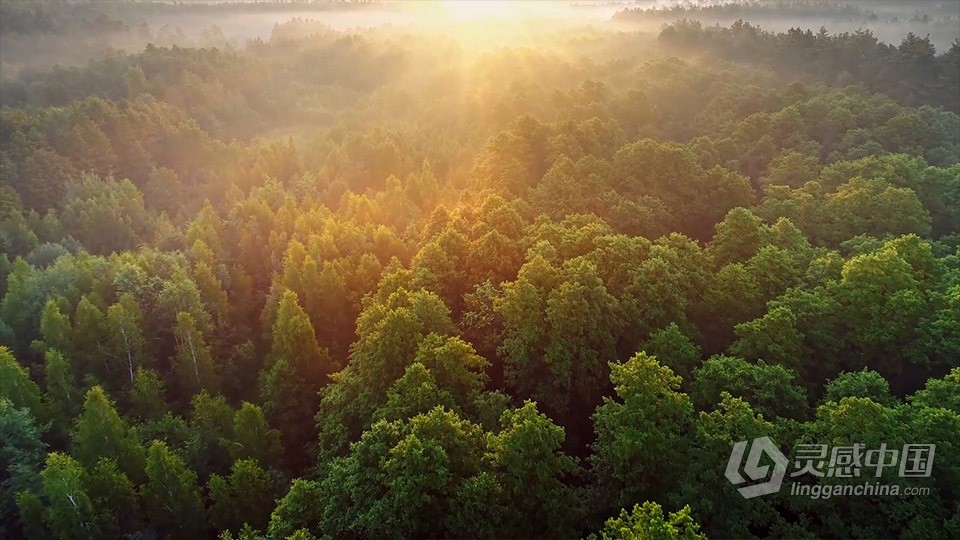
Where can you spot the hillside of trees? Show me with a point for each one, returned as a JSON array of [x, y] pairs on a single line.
[[390, 283]]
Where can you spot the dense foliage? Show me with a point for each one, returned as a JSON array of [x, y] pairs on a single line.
[[380, 284]]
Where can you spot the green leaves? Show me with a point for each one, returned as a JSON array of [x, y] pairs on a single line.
[[193, 362], [171, 496], [101, 433], [647, 522], [21, 457], [771, 388], [245, 497], [436, 474], [253, 439], [559, 332], [70, 512], [16, 386], [651, 419], [295, 340]]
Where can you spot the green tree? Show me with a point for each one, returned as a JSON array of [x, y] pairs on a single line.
[[533, 474], [69, 512], [414, 393], [253, 438], [55, 327], [211, 422], [647, 522], [719, 508], [147, 396], [771, 388], [940, 392], [675, 350], [246, 497], [295, 340], [559, 332], [90, 335], [21, 458], [738, 238], [437, 474], [114, 500], [298, 509], [16, 386], [171, 496], [650, 418], [865, 384], [124, 324], [62, 395], [193, 362], [773, 337], [391, 330], [290, 405], [100, 433]]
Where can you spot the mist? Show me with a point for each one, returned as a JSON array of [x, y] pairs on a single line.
[[35, 34]]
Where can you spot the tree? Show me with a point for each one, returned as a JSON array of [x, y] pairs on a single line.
[[21, 457], [89, 335], [295, 340], [193, 362], [147, 396], [647, 522], [298, 509], [414, 393], [253, 438], [559, 332], [440, 475], [62, 395], [650, 419], [69, 512], [876, 208], [675, 350], [124, 328], [211, 423], [885, 295], [872, 424], [246, 497], [865, 384], [114, 500], [171, 496], [55, 327], [105, 215], [391, 329], [326, 299], [16, 386], [738, 238], [290, 405], [719, 508], [773, 337], [940, 392], [771, 388], [533, 475], [732, 296], [792, 168], [101, 433]]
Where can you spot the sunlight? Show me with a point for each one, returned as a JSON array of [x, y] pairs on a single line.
[[479, 9]]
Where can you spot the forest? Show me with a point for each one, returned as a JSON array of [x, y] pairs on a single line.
[[336, 269]]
